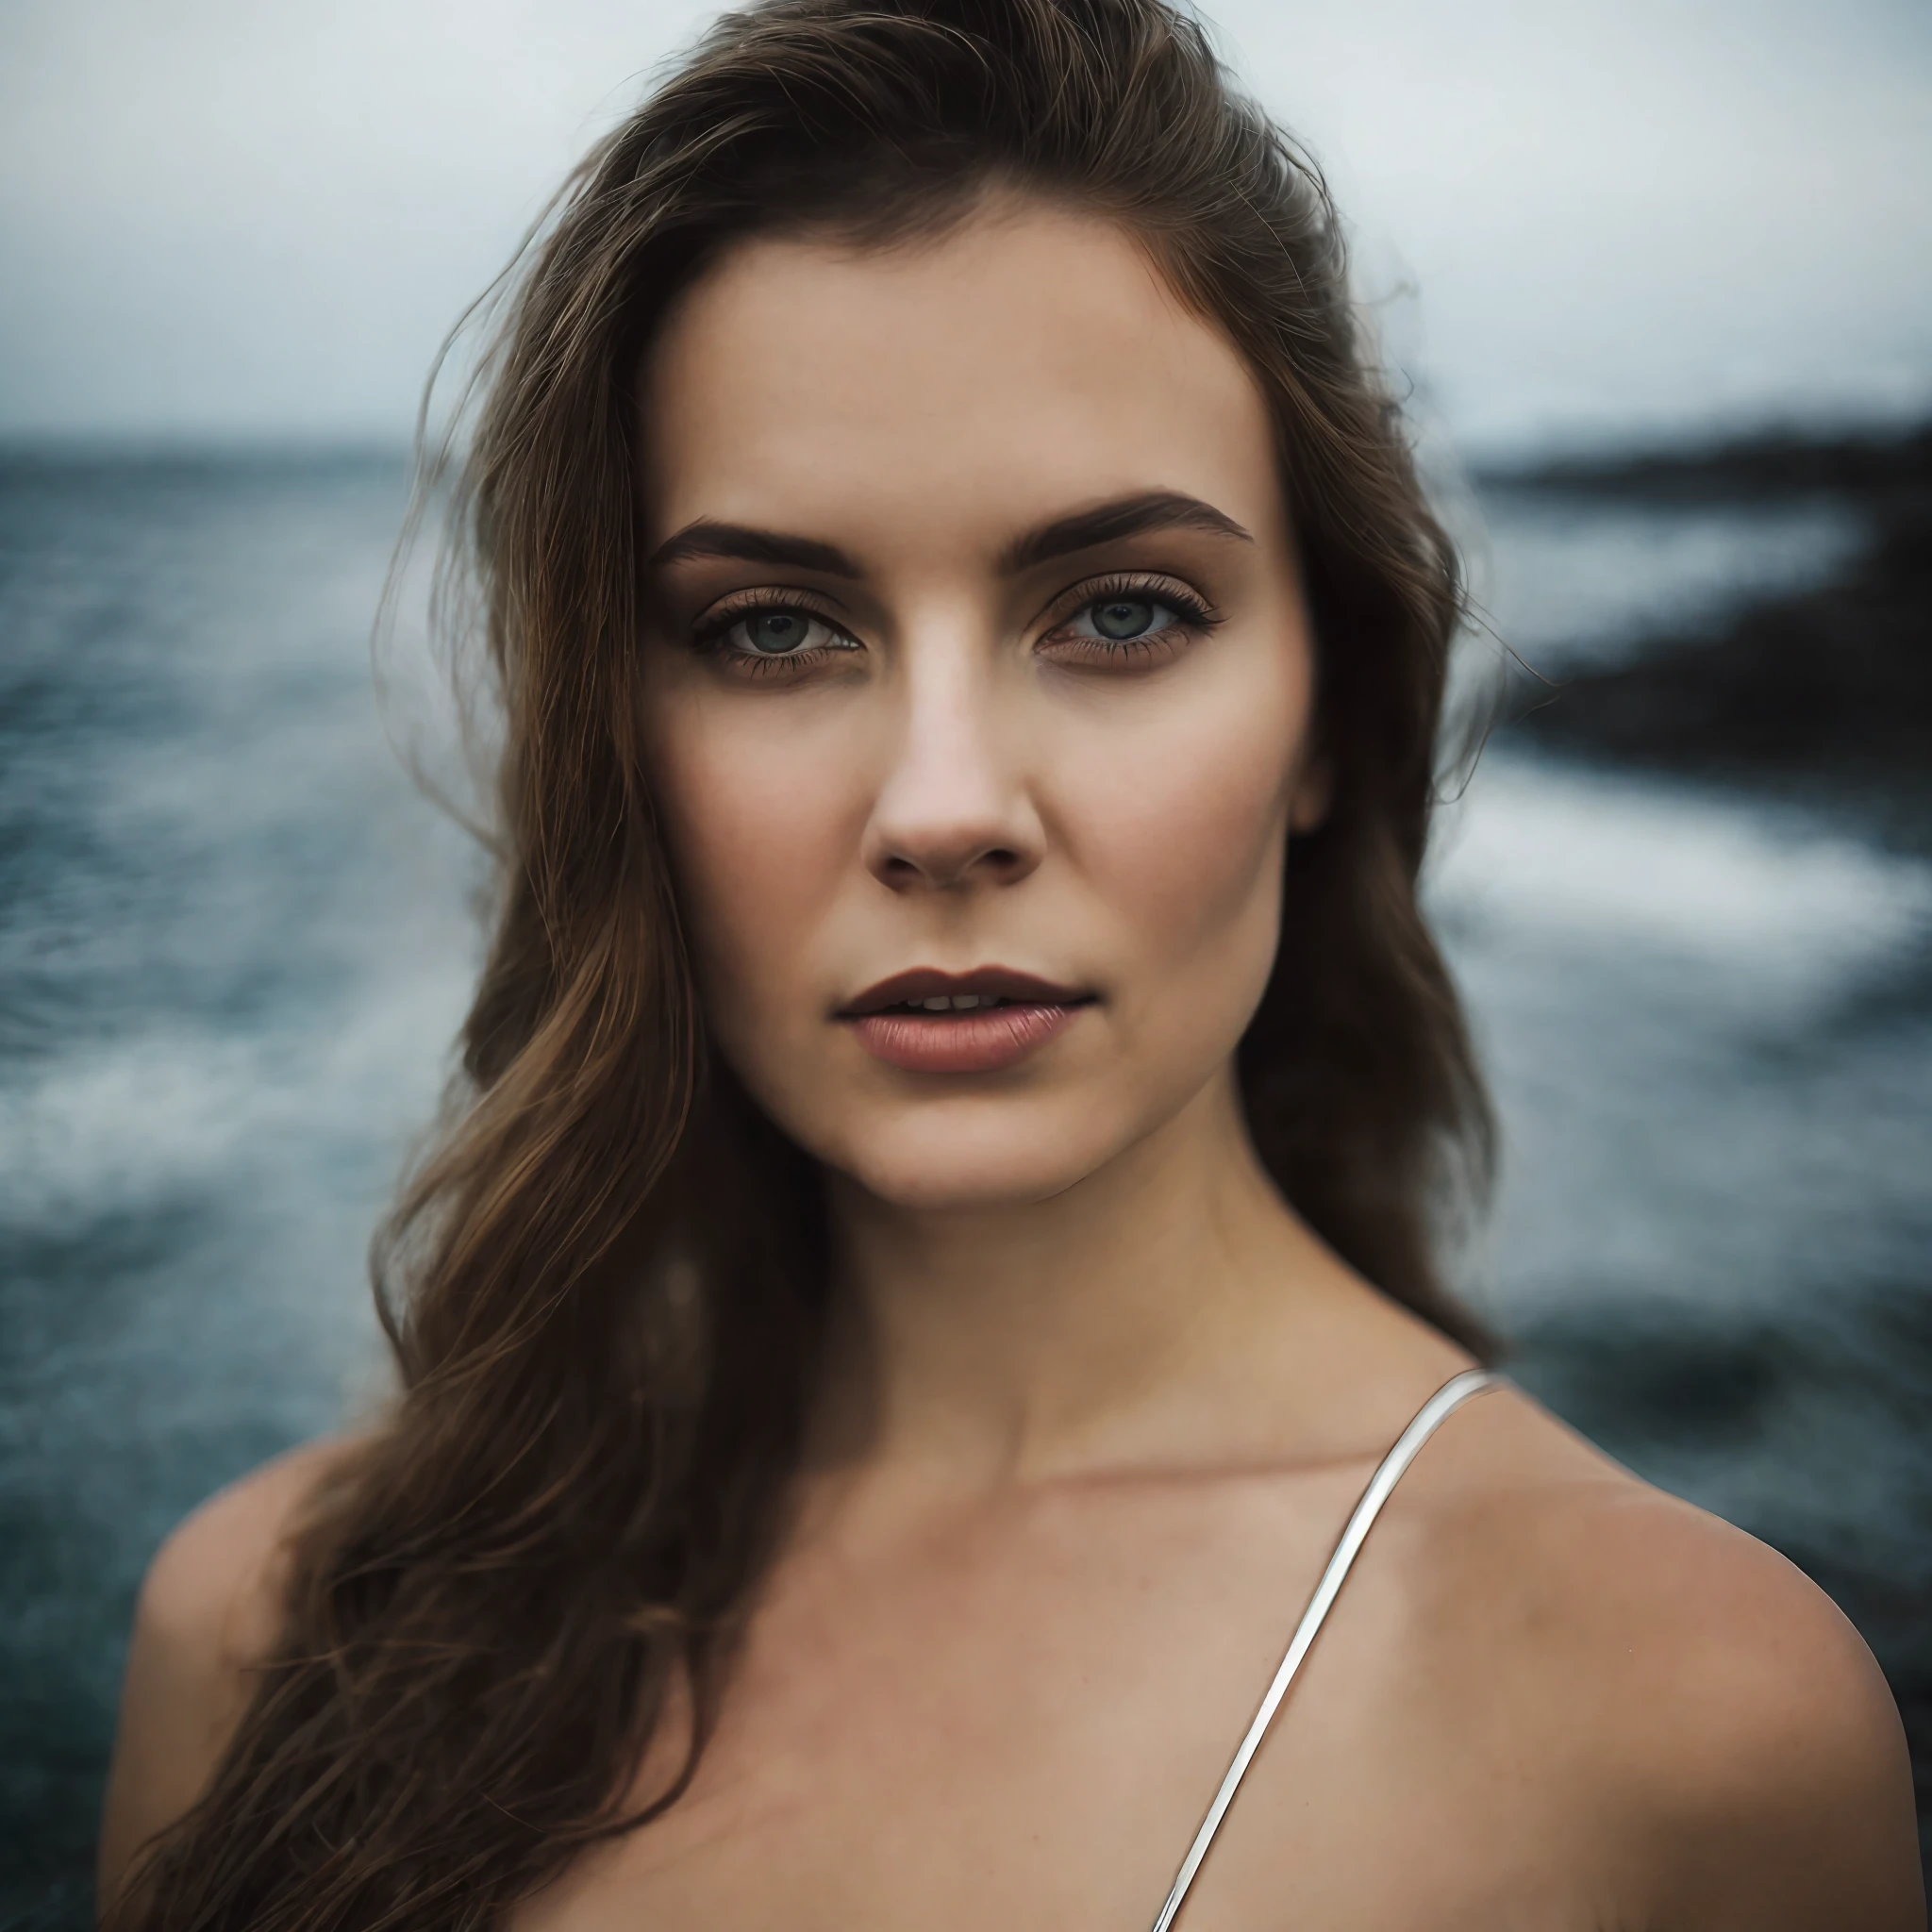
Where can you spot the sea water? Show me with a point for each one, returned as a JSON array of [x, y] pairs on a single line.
[[234, 945]]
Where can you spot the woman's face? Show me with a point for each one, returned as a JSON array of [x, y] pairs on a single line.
[[979, 694]]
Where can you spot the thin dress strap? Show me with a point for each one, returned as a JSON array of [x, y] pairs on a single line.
[[1429, 1418]]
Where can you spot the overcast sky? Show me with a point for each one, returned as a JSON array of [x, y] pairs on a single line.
[[1579, 218]]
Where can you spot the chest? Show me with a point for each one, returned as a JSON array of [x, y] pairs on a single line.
[[1024, 1727]]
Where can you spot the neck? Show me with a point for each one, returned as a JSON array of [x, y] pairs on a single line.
[[1119, 1321]]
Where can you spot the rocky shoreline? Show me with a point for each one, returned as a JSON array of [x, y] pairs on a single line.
[[1823, 697]]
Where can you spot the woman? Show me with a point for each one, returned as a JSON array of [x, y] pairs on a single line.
[[938, 1233]]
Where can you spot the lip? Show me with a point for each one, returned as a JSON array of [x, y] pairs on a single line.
[[988, 982], [976, 1040]]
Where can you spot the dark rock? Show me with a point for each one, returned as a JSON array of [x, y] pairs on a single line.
[[1827, 694]]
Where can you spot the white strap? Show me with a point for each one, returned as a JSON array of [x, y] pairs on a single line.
[[1429, 1418]]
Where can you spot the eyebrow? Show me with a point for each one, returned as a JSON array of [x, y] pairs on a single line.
[[1106, 523], [706, 539]]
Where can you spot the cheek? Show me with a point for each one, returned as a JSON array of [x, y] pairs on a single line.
[[762, 815], [1183, 826]]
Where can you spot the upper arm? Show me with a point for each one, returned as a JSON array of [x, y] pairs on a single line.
[[210, 1609]]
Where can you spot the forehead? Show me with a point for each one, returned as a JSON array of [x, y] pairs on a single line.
[[1026, 359]]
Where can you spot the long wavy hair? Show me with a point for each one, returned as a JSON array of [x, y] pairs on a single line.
[[605, 1343]]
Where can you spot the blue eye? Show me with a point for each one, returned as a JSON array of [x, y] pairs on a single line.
[[778, 631], [1129, 623], [1121, 618], [1129, 617]]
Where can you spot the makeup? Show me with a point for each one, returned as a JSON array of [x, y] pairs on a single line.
[[928, 1021]]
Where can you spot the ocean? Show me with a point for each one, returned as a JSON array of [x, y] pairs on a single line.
[[235, 943]]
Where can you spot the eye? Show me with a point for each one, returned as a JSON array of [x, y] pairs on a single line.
[[1128, 620], [769, 636], [783, 634], [1119, 619]]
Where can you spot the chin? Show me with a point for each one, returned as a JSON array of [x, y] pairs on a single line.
[[978, 1156]]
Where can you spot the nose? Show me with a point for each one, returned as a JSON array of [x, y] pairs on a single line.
[[954, 810]]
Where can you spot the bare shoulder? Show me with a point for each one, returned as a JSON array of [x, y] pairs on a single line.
[[1702, 1696], [212, 1591], [210, 1609]]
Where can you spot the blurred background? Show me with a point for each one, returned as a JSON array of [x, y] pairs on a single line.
[[1658, 276]]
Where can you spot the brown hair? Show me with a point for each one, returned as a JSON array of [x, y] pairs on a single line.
[[604, 1351]]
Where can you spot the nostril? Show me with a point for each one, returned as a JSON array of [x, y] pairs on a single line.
[[915, 865]]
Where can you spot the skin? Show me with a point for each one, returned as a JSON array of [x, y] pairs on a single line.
[[1098, 1401]]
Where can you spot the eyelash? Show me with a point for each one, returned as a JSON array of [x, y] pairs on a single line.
[[1194, 618], [709, 635]]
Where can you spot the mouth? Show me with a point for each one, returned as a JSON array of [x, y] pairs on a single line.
[[928, 1021], [924, 991]]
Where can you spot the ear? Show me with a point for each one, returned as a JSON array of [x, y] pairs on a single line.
[[1314, 790]]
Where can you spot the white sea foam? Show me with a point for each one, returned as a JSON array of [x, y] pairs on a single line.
[[1608, 862], [123, 1125], [1666, 985], [1572, 583]]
